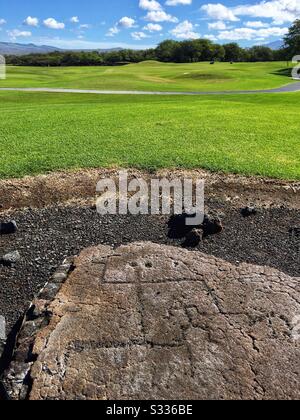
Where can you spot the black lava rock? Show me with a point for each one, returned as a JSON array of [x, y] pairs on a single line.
[[8, 228], [249, 211], [179, 227], [212, 226], [193, 238]]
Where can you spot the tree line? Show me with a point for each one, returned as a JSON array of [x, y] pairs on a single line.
[[169, 51]]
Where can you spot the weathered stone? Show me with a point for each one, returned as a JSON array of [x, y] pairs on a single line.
[[212, 226], [149, 321], [249, 211], [10, 258], [49, 292]]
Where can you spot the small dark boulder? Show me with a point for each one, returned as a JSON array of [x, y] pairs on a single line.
[[212, 226], [179, 227], [193, 238], [8, 228], [249, 211]]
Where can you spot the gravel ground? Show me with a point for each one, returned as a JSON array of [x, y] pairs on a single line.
[[46, 236]]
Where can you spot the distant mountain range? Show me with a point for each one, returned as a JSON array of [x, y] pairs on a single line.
[[22, 49], [275, 45], [7, 48]]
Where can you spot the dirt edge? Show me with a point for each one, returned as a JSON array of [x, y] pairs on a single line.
[[64, 186]]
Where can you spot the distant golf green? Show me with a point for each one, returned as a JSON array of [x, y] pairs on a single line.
[[156, 76], [249, 134]]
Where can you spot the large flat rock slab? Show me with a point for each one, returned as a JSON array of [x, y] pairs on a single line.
[[146, 321]]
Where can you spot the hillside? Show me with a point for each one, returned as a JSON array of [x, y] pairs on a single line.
[[11, 48], [275, 45], [22, 49]]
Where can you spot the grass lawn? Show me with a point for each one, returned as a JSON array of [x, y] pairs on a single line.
[[154, 76], [248, 134]]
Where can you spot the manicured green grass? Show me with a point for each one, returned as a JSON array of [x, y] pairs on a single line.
[[248, 134], [154, 76]]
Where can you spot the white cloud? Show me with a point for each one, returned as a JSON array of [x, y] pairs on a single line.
[[153, 27], [256, 24], [150, 5], [156, 12], [84, 26], [210, 37], [52, 23], [185, 30], [178, 2], [219, 25], [113, 31], [160, 16], [2, 21], [74, 19], [31, 21], [139, 35], [16, 33], [279, 10], [219, 12], [126, 22], [250, 34]]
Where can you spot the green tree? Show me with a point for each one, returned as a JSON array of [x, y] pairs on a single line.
[[187, 52], [207, 49], [292, 40], [166, 50], [261, 53], [218, 52], [233, 52]]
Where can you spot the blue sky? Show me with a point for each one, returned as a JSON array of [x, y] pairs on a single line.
[[144, 23]]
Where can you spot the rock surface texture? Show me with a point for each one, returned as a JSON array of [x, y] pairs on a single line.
[[147, 321]]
